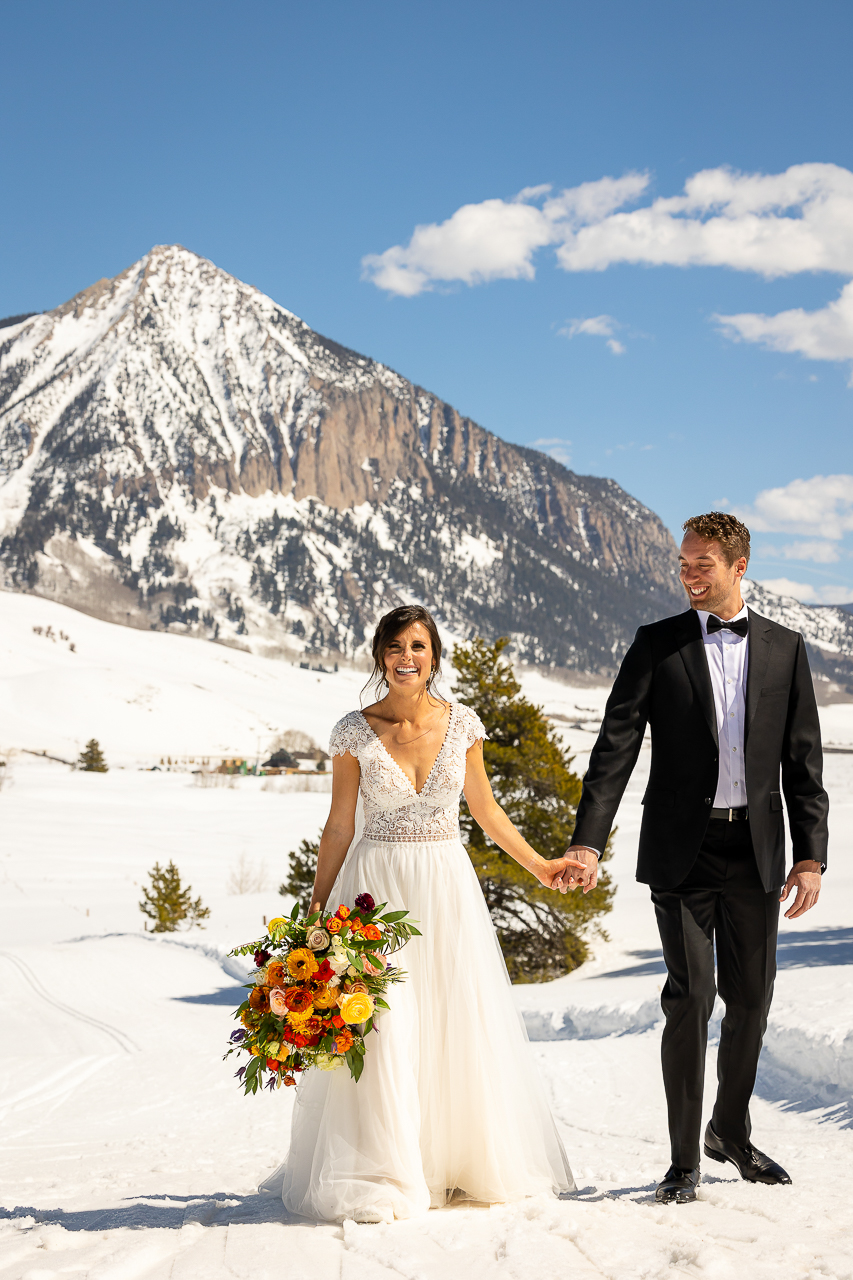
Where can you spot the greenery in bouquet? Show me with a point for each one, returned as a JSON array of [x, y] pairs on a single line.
[[319, 987]]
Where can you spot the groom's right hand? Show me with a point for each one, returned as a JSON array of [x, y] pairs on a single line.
[[573, 877]]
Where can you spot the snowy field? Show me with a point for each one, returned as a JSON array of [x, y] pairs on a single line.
[[128, 1151]]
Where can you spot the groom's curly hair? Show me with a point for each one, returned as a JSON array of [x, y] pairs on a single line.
[[719, 526]]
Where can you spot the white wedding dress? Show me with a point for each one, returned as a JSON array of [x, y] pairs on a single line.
[[449, 1100]]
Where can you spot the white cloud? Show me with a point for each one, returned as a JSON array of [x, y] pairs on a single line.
[[496, 239], [806, 593], [773, 224], [817, 551], [556, 448], [596, 327], [821, 506], [826, 334]]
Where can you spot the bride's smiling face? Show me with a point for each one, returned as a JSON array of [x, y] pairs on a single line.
[[408, 659]]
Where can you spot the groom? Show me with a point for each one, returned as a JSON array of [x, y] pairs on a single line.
[[730, 703]]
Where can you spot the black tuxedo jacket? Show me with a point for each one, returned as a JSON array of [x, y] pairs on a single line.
[[664, 682]]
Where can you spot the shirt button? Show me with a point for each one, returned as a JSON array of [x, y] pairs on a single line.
[[735, 784], [734, 748]]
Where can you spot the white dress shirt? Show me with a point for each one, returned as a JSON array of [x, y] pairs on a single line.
[[727, 655]]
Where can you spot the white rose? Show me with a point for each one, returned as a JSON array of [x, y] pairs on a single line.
[[339, 964], [260, 977], [334, 982], [352, 972], [328, 1061], [317, 940]]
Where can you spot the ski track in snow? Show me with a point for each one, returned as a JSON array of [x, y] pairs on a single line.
[[128, 1150]]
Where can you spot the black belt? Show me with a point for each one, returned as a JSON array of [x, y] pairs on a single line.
[[731, 815]]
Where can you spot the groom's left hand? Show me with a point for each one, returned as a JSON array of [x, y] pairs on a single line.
[[572, 877], [805, 878]]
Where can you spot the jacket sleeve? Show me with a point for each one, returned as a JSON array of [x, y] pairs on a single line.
[[617, 747], [802, 767]]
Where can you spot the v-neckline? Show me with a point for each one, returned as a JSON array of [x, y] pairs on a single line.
[[399, 767]]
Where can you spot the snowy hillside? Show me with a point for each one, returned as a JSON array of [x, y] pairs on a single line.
[[178, 450]]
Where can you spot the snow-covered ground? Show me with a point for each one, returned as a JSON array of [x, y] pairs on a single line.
[[128, 1150]]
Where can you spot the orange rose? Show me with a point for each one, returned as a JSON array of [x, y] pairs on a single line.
[[334, 925], [325, 999], [342, 912], [371, 933], [298, 999], [337, 1021]]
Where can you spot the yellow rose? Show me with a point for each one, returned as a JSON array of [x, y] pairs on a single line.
[[355, 1007], [274, 925]]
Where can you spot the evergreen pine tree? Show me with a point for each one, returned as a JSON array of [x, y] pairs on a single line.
[[91, 759], [168, 904], [303, 868], [542, 933]]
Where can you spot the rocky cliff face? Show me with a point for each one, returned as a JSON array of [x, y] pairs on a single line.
[[178, 451]]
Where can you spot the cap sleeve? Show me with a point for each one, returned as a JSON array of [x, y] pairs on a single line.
[[349, 734], [471, 726]]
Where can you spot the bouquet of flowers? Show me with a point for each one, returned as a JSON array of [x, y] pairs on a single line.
[[319, 984]]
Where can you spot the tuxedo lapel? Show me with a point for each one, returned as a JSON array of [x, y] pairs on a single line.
[[760, 646], [692, 649]]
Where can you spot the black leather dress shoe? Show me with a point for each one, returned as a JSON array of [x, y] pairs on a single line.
[[679, 1186], [751, 1164]]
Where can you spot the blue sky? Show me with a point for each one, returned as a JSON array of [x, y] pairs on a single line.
[[288, 143]]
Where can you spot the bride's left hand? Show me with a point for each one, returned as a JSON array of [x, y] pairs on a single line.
[[552, 868]]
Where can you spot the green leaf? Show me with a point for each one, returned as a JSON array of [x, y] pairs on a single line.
[[380, 1003], [374, 958], [294, 915], [357, 1067], [368, 1026], [416, 932], [393, 916]]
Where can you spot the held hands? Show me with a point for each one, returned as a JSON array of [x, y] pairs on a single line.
[[586, 877], [805, 878], [551, 871]]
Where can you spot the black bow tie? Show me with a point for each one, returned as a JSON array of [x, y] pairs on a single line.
[[740, 626]]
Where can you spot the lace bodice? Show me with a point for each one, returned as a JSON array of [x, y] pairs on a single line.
[[393, 810]]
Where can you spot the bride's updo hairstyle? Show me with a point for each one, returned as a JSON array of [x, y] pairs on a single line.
[[390, 627]]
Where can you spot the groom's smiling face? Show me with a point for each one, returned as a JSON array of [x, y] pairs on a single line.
[[710, 581]]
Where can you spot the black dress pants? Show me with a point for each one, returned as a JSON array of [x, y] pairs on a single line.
[[722, 900]]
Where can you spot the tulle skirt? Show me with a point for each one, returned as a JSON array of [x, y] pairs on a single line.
[[450, 1101]]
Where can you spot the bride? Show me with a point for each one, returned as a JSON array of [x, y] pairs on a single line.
[[449, 1102]]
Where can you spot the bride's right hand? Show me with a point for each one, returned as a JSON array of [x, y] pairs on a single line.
[[551, 869]]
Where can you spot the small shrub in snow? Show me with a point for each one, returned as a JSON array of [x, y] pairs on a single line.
[[91, 758], [168, 904]]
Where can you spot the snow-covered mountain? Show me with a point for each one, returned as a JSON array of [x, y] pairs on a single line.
[[178, 451]]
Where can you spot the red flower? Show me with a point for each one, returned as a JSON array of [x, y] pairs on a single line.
[[338, 1021], [365, 902], [272, 1064], [325, 972]]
